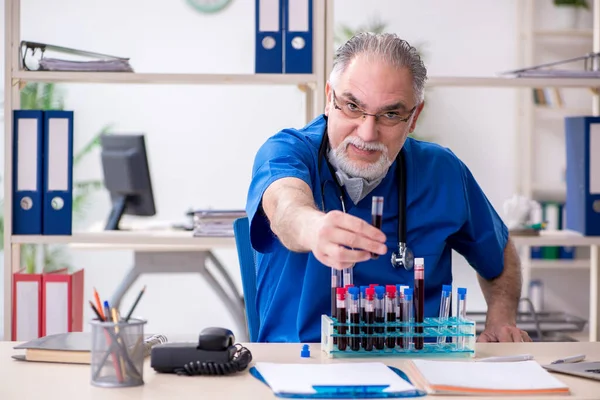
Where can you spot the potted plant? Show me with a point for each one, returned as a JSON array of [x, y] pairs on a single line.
[[570, 13]]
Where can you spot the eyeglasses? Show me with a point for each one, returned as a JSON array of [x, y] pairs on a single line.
[[388, 118]]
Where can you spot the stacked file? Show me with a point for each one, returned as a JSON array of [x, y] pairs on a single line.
[[55, 64], [215, 222]]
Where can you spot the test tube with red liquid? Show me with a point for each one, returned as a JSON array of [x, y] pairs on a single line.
[[354, 316], [419, 300], [376, 216], [380, 317], [369, 317], [342, 318], [390, 315]]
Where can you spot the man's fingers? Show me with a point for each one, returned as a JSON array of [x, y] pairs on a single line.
[[483, 338], [355, 224], [516, 335], [339, 255], [525, 337], [505, 335], [357, 241]]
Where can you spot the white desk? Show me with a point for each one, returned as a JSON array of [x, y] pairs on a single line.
[[65, 381], [574, 239], [163, 251]]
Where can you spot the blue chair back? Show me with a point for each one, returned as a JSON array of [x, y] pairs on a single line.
[[246, 257]]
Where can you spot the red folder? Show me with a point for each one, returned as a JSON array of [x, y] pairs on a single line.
[[26, 306], [62, 306]]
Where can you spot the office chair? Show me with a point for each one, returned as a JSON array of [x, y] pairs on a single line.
[[241, 231]]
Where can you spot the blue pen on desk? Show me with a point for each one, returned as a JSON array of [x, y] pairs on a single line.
[[461, 314], [444, 311]]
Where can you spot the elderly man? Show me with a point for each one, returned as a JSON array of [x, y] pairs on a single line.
[[309, 202]]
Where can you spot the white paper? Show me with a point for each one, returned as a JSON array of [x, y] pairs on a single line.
[[57, 307], [58, 154], [27, 303], [27, 154], [519, 375], [594, 158], [300, 378], [268, 15], [298, 16]]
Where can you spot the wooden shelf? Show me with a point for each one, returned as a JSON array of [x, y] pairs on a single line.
[[566, 33], [167, 79], [559, 264], [557, 238], [509, 82], [279, 79], [152, 240]]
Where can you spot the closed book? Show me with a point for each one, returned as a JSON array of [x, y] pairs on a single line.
[[70, 348]]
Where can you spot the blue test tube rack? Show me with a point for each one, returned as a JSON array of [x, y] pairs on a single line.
[[460, 336]]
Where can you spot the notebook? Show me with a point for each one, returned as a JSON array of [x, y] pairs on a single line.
[[70, 348], [334, 380], [470, 378], [589, 370]]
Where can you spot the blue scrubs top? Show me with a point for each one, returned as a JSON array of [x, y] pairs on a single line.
[[446, 209]]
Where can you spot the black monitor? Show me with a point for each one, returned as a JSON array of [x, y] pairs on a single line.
[[126, 177]]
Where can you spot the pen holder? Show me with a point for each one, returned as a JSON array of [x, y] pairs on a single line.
[[117, 358], [452, 336]]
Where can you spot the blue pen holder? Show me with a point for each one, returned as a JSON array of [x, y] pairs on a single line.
[[453, 337]]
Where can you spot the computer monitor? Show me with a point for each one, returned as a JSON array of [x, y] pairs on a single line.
[[126, 177]]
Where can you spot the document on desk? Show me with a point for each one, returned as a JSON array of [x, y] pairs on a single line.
[[334, 380], [484, 378]]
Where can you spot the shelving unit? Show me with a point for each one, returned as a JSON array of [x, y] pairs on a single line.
[[313, 85]]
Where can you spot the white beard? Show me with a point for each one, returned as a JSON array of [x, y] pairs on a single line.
[[371, 172]]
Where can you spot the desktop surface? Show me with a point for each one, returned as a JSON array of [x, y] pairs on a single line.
[[73, 381]]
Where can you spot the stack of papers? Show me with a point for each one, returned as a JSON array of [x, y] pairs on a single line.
[[344, 380], [55, 64], [464, 377], [215, 222]]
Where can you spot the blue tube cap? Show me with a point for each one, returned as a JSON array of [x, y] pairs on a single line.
[[353, 291], [446, 288], [379, 291], [305, 353], [461, 290]]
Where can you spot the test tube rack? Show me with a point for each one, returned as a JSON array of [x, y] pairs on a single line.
[[459, 333]]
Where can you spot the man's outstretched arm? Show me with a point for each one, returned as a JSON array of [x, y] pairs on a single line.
[[502, 296]]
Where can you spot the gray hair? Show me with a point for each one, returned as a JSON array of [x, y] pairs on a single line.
[[387, 47]]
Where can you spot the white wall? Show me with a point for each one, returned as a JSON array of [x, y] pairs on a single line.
[[201, 136]]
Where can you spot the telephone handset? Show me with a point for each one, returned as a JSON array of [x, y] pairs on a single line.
[[215, 354]]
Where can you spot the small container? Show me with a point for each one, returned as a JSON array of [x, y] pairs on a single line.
[[117, 358]]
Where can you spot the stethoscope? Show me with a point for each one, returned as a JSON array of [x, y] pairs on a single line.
[[404, 256]]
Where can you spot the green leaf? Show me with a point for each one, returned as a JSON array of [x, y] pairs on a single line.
[[91, 144]]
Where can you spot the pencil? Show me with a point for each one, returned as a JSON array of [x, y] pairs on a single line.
[[137, 300], [116, 321], [99, 304], [100, 317]]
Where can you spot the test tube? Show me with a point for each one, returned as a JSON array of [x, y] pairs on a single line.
[[376, 216], [444, 311], [461, 314], [407, 314], [419, 300], [369, 318], [342, 318], [362, 312], [399, 311], [379, 317], [336, 282], [348, 274], [390, 315], [354, 313]]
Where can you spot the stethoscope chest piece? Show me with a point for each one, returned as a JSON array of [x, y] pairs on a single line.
[[403, 258]]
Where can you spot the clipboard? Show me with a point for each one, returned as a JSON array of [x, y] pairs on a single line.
[[97, 61], [338, 392]]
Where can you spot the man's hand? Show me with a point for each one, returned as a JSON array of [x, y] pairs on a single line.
[[288, 204], [503, 333], [341, 240]]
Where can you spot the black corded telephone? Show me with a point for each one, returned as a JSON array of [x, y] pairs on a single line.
[[215, 354]]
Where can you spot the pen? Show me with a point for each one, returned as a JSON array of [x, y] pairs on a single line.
[[106, 311], [98, 305], [135, 304], [520, 357], [571, 359], [100, 317]]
